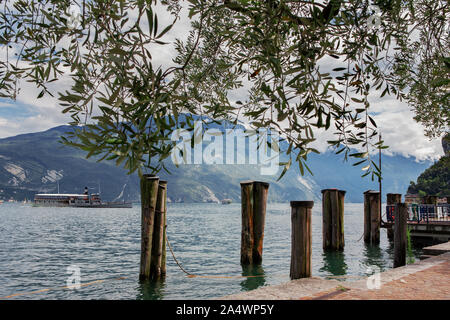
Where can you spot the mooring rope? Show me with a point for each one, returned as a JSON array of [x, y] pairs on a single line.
[[361, 237], [190, 275], [175, 259]]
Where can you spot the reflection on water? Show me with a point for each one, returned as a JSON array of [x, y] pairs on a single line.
[[390, 248], [38, 243], [334, 263], [256, 279], [413, 252], [373, 256], [151, 289]]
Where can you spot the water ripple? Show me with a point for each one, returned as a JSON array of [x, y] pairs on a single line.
[[38, 244]]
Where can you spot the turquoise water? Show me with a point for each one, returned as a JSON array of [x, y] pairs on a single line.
[[37, 245]]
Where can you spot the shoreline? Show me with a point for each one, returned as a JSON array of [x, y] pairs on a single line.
[[426, 279]]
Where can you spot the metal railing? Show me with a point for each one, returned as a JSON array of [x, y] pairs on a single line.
[[424, 213]]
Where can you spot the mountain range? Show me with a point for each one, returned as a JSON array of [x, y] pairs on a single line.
[[38, 163]]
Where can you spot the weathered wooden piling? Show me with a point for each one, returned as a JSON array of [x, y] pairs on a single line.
[[164, 239], [372, 219], [391, 200], [333, 219], [247, 222], [260, 192], [159, 240], [400, 237], [253, 202], [149, 192], [301, 239]]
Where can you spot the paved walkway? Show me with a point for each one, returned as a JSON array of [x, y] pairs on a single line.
[[427, 279], [437, 249], [429, 284]]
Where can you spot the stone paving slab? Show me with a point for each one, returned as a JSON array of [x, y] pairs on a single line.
[[292, 290], [430, 284], [437, 249], [400, 272]]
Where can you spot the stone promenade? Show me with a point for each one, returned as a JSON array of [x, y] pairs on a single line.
[[428, 279]]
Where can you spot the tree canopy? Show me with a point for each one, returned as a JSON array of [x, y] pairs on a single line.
[[433, 181], [298, 65], [436, 179]]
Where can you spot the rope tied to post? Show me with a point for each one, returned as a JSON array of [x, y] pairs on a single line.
[[175, 259], [190, 275]]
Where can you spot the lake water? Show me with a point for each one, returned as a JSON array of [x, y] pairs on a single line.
[[37, 245]]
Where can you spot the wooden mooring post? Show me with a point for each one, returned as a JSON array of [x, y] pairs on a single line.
[[159, 240], [391, 200], [253, 202], [301, 239], [164, 224], [333, 219], [400, 234], [372, 219], [153, 225]]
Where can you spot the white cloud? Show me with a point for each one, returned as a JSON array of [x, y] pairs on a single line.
[[40, 122], [398, 129], [402, 133]]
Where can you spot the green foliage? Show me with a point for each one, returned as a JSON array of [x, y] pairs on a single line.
[[275, 48], [434, 180], [117, 94], [409, 250]]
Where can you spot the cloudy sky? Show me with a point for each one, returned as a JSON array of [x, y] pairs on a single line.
[[394, 118]]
